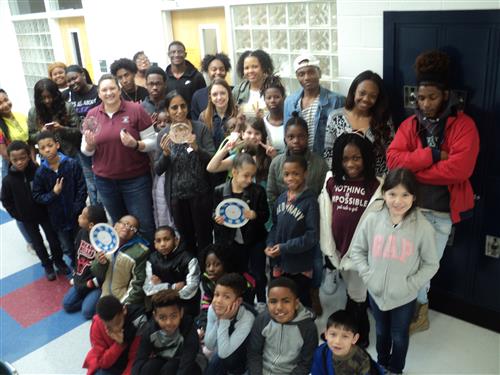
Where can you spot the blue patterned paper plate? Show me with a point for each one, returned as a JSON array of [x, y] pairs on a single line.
[[104, 238], [231, 210]]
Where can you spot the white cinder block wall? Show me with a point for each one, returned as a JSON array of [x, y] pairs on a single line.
[[360, 30]]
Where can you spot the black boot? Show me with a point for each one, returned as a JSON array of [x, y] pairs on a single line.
[[358, 310]]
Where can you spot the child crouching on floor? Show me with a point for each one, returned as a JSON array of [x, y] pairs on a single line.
[[173, 266], [340, 355], [283, 339], [228, 327], [169, 344]]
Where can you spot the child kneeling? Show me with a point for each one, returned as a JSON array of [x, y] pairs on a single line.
[[340, 354], [169, 344], [284, 338], [228, 327]]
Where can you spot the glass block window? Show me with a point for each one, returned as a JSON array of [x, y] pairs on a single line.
[[18, 7], [65, 4], [35, 46], [285, 30]]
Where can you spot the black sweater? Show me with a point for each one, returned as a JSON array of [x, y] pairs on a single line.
[[17, 197]]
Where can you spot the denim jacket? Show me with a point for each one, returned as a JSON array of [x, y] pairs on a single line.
[[328, 101]]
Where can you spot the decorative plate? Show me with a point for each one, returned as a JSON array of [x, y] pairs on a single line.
[[179, 133], [231, 210], [104, 238]]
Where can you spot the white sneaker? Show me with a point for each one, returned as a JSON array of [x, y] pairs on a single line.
[[330, 281]]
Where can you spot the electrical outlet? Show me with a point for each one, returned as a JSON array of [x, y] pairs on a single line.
[[492, 247]]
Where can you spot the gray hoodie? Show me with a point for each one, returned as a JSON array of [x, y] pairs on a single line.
[[394, 261], [282, 349]]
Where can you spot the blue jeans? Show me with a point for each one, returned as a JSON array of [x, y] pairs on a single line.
[[5, 167], [442, 227], [86, 301], [130, 196], [86, 163], [393, 336], [67, 241]]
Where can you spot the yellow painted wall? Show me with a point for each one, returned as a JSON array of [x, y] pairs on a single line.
[[66, 25], [185, 28]]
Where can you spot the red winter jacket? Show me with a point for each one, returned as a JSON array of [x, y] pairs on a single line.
[[105, 352], [461, 142]]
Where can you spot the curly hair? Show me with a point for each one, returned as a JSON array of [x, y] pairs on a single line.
[[57, 111], [367, 154], [123, 63], [272, 82], [380, 114], [265, 61], [55, 65], [432, 67], [165, 298], [222, 57]]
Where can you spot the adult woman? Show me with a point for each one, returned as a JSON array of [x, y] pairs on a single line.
[[187, 184], [253, 67], [57, 73], [440, 145], [52, 113], [119, 155], [366, 111], [13, 127], [220, 108], [214, 66], [83, 96]]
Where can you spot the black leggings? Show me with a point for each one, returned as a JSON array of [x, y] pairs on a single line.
[[160, 366]]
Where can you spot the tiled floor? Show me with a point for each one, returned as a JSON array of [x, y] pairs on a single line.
[[57, 342]]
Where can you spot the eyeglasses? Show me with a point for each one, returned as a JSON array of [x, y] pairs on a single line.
[[128, 226]]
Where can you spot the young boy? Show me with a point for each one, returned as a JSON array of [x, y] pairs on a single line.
[[228, 327], [85, 292], [293, 238], [18, 200], [124, 271], [114, 338], [172, 266], [340, 355], [59, 184], [283, 338], [169, 344]]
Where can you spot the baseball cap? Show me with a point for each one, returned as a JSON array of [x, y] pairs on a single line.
[[305, 59]]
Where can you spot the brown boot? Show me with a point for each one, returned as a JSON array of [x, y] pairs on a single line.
[[422, 319], [315, 301]]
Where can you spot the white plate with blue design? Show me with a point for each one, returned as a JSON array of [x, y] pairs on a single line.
[[103, 237], [232, 210]]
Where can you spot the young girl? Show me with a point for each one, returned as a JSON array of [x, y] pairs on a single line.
[[52, 113], [187, 185], [220, 108], [172, 266], [254, 142], [294, 236], [246, 243], [394, 250], [347, 190], [274, 96], [216, 263]]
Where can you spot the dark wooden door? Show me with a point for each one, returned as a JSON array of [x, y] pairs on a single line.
[[468, 282]]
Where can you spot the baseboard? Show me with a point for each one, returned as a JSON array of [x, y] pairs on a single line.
[[451, 305]]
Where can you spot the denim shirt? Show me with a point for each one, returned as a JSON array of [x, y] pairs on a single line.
[[328, 101]]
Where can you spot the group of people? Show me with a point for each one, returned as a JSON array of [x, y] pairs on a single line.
[[330, 188]]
